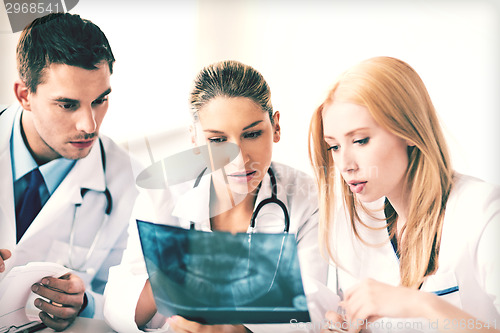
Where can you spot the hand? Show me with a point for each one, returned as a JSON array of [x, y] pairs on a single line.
[[371, 300], [4, 255], [66, 299], [334, 323], [181, 325]]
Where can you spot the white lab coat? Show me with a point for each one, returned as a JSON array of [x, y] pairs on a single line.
[[295, 189], [469, 255], [47, 238]]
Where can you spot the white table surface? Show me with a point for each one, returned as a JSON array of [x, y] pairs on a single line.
[[85, 325]]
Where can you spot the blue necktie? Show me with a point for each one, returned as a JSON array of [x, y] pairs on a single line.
[[29, 204]]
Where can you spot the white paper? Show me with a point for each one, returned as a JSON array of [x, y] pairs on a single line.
[[15, 290], [321, 299]]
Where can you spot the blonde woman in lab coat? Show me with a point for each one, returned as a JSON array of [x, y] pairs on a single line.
[[411, 238], [230, 103]]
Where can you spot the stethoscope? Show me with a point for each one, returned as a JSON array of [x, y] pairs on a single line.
[[104, 222], [271, 200]]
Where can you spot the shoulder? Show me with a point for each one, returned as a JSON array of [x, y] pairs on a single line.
[[113, 150], [296, 185], [7, 116], [117, 155], [470, 193], [10, 109], [120, 166], [472, 205], [286, 174]]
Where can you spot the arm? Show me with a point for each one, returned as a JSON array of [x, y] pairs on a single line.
[[371, 300], [146, 306], [127, 280], [100, 279]]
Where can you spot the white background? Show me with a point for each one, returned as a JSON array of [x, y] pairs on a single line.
[[300, 47]]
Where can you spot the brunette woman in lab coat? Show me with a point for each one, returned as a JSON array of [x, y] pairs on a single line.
[[230, 102], [410, 238]]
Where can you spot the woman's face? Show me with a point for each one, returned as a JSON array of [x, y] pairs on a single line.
[[241, 121], [371, 160]]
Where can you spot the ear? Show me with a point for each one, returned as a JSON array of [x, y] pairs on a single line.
[[192, 131], [410, 143], [22, 94], [276, 127]]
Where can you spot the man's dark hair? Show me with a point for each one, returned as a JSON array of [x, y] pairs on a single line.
[[60, 38]]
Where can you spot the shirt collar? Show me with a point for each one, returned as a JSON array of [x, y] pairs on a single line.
[[53, 172]]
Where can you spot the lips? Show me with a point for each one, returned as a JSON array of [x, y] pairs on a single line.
[[243, 176], [82, 144], [357, 186]]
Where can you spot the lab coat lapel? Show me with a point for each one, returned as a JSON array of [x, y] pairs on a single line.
[[7, 211], [86, 173], [193, 206]]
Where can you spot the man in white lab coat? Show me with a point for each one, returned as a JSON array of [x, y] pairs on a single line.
[[65, 192]]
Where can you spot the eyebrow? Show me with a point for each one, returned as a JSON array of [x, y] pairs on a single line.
[[70, 100], [252, 124], [244, 129], [348, 134]]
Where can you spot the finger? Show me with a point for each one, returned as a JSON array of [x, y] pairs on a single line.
[[333, 317], [4, 255], [56, 310], [69, 284], [57, 324], [335, 322], [175, 327], [57, 296], [357, 324], [188, 325]]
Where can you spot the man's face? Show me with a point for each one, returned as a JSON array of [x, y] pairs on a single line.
[[66, 111]]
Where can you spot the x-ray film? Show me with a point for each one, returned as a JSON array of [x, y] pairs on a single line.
[[223, 278]]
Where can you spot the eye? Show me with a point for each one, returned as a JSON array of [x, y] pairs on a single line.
[[67, 106], [100, 101], [252, 135], [333, 148], [362, 141], [217, 139]]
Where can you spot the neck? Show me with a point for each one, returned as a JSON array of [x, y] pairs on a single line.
[[400, 203], [231, 215], [40, 151]]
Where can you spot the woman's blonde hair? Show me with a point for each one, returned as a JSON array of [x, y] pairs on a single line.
[[397, 99]]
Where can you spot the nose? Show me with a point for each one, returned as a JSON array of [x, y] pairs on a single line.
[[243, 157], [86, 121], [347, 161], [244, 153]]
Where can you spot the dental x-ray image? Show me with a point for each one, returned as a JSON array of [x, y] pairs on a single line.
[[223, 278]]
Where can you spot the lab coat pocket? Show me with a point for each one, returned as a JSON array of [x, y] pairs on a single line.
[[444, 285], [82, 260]]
